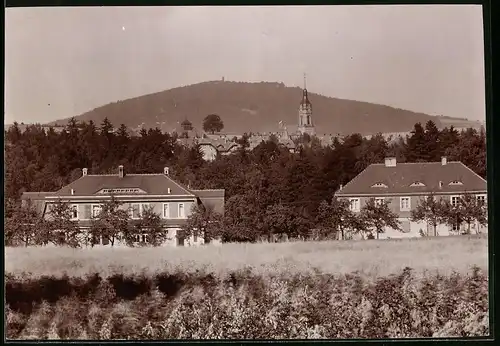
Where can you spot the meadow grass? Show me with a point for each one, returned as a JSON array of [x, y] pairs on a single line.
[[429, 287], [370, 257]]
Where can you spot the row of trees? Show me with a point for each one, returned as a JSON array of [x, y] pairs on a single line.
[[334, 220], [26, 226], [266, 181]]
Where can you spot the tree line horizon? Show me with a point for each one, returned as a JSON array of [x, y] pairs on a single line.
[[260, 184]]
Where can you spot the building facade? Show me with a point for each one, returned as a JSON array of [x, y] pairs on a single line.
[[404, 185], [211, 147], [159, 192]]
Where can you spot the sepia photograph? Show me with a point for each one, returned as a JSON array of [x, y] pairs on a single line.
[[245, 173]]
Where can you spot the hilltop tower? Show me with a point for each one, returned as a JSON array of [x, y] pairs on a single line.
[[305, 113]]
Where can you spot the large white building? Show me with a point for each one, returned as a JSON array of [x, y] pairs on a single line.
[[404, 184], [169, 199]]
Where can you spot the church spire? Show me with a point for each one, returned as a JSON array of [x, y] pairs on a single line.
[[305, 124], [305, 98]]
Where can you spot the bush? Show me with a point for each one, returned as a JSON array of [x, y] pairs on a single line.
[[245, 304]]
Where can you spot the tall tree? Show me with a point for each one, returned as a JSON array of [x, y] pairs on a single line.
[[432, 138], [282, 219], [357, 223], [148, 230], [13, 134], [203, 221], [112, 223], [416, 149], [431, 210], [333, 216], [61, 227], [468, 209], [213, 123], [22, 226], [379, 216]]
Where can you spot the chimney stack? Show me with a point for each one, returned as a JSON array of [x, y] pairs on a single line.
[[340, 188], [165, 170], [444, 160], [121, 172], [72, 192], [440, 184], [390, 162], [85, 171]]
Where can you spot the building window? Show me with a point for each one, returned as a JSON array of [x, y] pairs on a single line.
[[74, 212], [145, 207], [481, 199], [166, 211], [96, 210], [182, 214], [379, 201], [417, 183], [454, 200], [455, 182], [404, 203], [456, 227], [195, 238], [379, 185], [87, 212], [135, 211], [141, 238], [116, 191], [354, 204]]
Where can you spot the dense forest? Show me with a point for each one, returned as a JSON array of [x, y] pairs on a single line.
[[268, 179]]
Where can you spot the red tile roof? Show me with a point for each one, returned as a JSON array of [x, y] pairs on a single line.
[[399, 179]]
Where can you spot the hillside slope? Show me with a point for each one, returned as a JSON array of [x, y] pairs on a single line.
[[256, 107]]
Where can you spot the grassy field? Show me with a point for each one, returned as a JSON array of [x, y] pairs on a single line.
[[355, 289]]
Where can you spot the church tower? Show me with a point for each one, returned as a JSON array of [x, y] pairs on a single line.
[[305, 113]]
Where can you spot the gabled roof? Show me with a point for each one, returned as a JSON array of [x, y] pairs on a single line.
[[152, 184], [221, 145], [399, 179]]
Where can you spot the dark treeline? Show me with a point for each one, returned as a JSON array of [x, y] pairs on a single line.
[[269, 175]]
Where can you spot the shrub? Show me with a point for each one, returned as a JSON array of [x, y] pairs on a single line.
[[245, 304]]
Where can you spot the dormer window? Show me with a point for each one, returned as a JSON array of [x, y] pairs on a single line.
[[455, 182], [379, 185], [121, 191], [417, 184]]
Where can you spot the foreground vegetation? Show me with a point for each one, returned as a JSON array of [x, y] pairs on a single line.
[[293, 290]]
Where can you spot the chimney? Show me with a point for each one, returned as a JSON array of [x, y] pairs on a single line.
[[341, 186], [72, 192], [440, 184], [165, 170], [390, 162], [121, 172], [85, 171], [444, 160]]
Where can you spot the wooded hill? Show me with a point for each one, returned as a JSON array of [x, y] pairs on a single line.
[[254, 107]]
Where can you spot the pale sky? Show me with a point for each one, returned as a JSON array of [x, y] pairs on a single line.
[[62, 62]]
